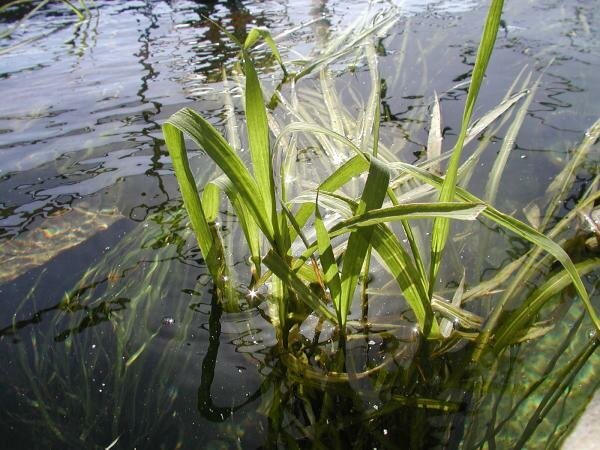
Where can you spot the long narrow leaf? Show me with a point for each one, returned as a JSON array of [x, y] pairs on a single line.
[[441, 227], [434, 139], [245, 218], [210, 244], [457, 211], [330, 267], [527, 312], [491, 188], [258, 137], [358, 243], [257, 33]]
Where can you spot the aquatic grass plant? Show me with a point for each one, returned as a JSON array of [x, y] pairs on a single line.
[[258, 196], [381, 380], [315, 262]]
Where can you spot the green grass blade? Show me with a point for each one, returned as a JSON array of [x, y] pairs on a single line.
[[564, 181], [211, 141], [351, 168], [258, 137], [344, 206], [397, 261], [210, 201], [457, 211], [257, 33], [358, 242], [245, 218], [330, 267], [208, 241], [493, 183], [441, 227], [75, 9], [527, 312], [488, 118], [434, 139]]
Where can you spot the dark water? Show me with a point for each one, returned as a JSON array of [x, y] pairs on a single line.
[[108, 329]]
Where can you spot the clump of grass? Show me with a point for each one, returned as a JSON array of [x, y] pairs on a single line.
[[313, 263], [258, 196]]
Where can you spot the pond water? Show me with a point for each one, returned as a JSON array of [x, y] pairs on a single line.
[[109, 333]]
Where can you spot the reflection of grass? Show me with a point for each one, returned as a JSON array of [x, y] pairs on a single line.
[[314, 262]]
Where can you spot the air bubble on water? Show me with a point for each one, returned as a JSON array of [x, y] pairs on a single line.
[[371, 342], [592, 333], [168, 321], [93, 346], [385, 431]]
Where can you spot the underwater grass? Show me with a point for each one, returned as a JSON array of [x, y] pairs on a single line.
[[82, 12]]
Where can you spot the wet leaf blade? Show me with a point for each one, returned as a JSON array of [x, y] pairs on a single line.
[[211, 251], [258, 138], [211, 141], [372, 197], [526, 313], [330, 267], [456, 211], [441, 227]]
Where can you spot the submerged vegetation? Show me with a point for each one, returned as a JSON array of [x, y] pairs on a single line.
[[23, 10], [313, 247]]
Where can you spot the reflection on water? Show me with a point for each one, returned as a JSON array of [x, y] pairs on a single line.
[[94, 252]]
